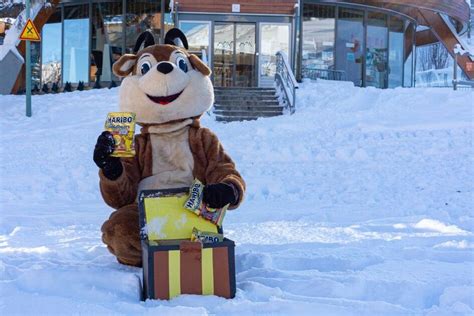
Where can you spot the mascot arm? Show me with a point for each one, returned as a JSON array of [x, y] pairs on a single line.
[[122, 191], [220, 167]]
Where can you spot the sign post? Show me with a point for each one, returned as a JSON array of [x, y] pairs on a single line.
[[29, 33], [28, 65]]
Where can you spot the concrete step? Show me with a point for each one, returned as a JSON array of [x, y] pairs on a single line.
[[242, 88], [245, 94], [249, 108], [241, 104], [245, 97], [234, 119], [246, 113], [248, 103]]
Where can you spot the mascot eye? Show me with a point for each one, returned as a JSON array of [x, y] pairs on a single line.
[[145, 67], [182, 64]]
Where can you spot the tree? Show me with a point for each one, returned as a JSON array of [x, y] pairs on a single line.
[[434, 56]]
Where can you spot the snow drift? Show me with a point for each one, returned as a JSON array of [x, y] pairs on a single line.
[[360, 203]]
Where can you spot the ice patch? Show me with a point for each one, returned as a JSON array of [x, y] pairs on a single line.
[[37, 250], [461, 244], [437, 226], [399, 226]]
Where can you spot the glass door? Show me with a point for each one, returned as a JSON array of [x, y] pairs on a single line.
[[223, 54], [395, 54], [245, 58], [350, 43], [376, 67], [273, 38], [234, 60]]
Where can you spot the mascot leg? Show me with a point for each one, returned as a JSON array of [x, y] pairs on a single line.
[[121, 235]]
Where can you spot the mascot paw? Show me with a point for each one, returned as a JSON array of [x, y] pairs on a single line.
[[111, 166], [220, 194]]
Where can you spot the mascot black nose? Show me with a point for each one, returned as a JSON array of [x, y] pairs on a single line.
[[164, 67]]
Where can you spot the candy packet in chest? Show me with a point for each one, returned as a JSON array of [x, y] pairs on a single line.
[[122, 127], [196, 205]]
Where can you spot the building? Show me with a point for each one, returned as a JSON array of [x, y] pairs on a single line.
[[368, 42]]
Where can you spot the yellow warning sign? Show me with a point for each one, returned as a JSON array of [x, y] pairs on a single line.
[[30, 33]]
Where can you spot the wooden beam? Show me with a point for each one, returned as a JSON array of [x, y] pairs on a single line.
[[425, 37], [285, 7], [444, 35]]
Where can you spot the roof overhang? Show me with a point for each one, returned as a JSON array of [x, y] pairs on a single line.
[[458, 10]]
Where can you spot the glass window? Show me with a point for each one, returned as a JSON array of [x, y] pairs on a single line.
[[318, 37], [169, 17], [349, 44], [376, 60], [197, 34], [245, 66], [35, 64], [106, 39], [141, 15], [435, 67], [76, 44], [273, 38], [51, 50], [395, 55], [408, 67]]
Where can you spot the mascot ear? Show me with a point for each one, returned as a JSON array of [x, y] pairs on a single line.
[[199, 65], [177, 38], [124, 66], [144, 40]]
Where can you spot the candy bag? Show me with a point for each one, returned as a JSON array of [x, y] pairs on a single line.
[[206, 237], [122, 127], [198, 207]]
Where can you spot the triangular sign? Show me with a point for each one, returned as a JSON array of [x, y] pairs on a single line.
[[30, 33]]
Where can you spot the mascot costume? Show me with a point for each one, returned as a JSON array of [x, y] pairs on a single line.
[[168, 89]]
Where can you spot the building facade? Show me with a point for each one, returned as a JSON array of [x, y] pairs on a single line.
[[368, 42], [368, 46]]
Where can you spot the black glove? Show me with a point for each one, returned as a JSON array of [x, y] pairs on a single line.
[[111, 166], [220, 194]]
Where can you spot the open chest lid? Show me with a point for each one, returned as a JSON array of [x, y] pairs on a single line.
[[162, 216]]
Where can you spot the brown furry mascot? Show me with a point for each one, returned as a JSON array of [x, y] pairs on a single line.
[[168, 89]]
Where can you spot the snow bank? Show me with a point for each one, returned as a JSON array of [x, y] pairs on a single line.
[[360, 203]]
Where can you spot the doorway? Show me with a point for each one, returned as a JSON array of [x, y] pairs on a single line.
[[234, 58]]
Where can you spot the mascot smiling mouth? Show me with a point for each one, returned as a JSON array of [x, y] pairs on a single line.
[[166, 99]]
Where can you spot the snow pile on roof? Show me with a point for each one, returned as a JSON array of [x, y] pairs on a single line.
[[360, 203]]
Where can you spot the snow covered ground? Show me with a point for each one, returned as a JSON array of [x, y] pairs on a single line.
[[361, 203]]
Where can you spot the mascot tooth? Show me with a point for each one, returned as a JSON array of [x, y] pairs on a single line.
[[168, 89]]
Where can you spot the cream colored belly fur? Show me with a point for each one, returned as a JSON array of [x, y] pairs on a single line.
[[173, 161]]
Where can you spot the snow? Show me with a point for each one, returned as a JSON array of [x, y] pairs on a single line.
[[361, 203]]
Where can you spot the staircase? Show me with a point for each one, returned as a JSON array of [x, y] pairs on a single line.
[[243, 104]]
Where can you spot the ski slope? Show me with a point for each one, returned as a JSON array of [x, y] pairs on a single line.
[[361, 203]]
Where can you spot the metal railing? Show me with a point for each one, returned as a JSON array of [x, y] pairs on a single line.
[[458, 51], [327, 74], [285, 81]]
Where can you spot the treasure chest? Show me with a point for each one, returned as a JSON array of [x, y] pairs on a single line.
[[174, 265]]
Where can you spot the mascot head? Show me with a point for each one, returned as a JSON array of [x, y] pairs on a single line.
[[164, 83]]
